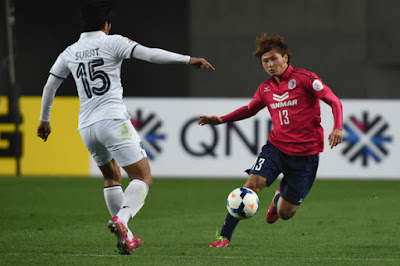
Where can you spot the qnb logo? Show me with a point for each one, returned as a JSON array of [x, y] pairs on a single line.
[[148, 129], [366, 139]]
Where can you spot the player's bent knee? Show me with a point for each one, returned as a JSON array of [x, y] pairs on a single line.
[[252, 187], [255, 183], [147, 179]]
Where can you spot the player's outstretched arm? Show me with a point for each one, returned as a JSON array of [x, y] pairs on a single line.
[[44, 130], [335, 137], [200, 63], [212, 120], [161, 56]]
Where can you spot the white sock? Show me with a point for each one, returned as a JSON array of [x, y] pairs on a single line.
[[134, 197], [114, 197]]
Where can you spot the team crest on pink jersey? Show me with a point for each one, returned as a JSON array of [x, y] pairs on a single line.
[[317, 85], [292, 84]]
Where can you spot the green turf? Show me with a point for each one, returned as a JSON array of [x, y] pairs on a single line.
[[57, 221]]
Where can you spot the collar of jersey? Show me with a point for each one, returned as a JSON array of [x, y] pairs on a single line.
[[91, 34], [287, 73]]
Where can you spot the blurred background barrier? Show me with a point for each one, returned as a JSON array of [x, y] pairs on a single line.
[[64, 153], [178, 147]]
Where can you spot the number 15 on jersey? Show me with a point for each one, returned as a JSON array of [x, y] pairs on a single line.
[[81, 73]]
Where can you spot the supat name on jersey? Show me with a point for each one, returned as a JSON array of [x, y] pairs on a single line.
[[283, 104], [86, 54]]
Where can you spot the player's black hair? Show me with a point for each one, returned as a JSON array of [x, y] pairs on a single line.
[[267, 43], [94, 13]]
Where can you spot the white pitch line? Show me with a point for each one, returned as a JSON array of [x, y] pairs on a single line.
[[206, 257]]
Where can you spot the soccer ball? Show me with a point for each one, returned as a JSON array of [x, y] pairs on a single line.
[[242, 203]]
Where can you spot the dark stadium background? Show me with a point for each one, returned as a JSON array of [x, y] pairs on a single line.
[[351, 45]]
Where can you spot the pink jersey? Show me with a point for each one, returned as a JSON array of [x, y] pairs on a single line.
[[295, 111]]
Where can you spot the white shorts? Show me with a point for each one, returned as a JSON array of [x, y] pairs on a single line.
[[118, 139]]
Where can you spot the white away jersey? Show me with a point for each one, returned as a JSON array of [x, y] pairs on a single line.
[[95, 63]]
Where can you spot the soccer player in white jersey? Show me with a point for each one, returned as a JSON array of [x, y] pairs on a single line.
[[104, 124]]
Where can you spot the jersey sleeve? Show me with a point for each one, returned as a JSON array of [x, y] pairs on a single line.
[[159, 56], [245, 111], [49, 91], [122, 46], [337, 110], [60, 68], [324, 93]]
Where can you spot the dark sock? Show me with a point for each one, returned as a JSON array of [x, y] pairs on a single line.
[[276, 202], [229, 226]]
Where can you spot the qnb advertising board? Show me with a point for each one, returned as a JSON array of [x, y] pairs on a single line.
[[178, 147]]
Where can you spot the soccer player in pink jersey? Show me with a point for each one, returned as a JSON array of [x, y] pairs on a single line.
[[292, 96]]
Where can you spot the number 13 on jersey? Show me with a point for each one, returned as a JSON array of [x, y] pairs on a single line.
[[284, 117]]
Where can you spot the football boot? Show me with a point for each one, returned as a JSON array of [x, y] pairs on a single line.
[[124, 245]]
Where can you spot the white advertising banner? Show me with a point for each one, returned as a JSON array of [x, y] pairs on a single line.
[[178, 147]]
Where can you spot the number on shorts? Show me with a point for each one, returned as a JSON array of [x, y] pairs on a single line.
[[258, 165]]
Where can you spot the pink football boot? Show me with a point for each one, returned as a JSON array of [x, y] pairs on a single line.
[[124, 245], [220, 242]]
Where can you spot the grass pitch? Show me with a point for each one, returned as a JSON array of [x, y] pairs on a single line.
[[53, 221]]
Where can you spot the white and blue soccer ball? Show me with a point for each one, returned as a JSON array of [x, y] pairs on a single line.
[[242, 203]]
